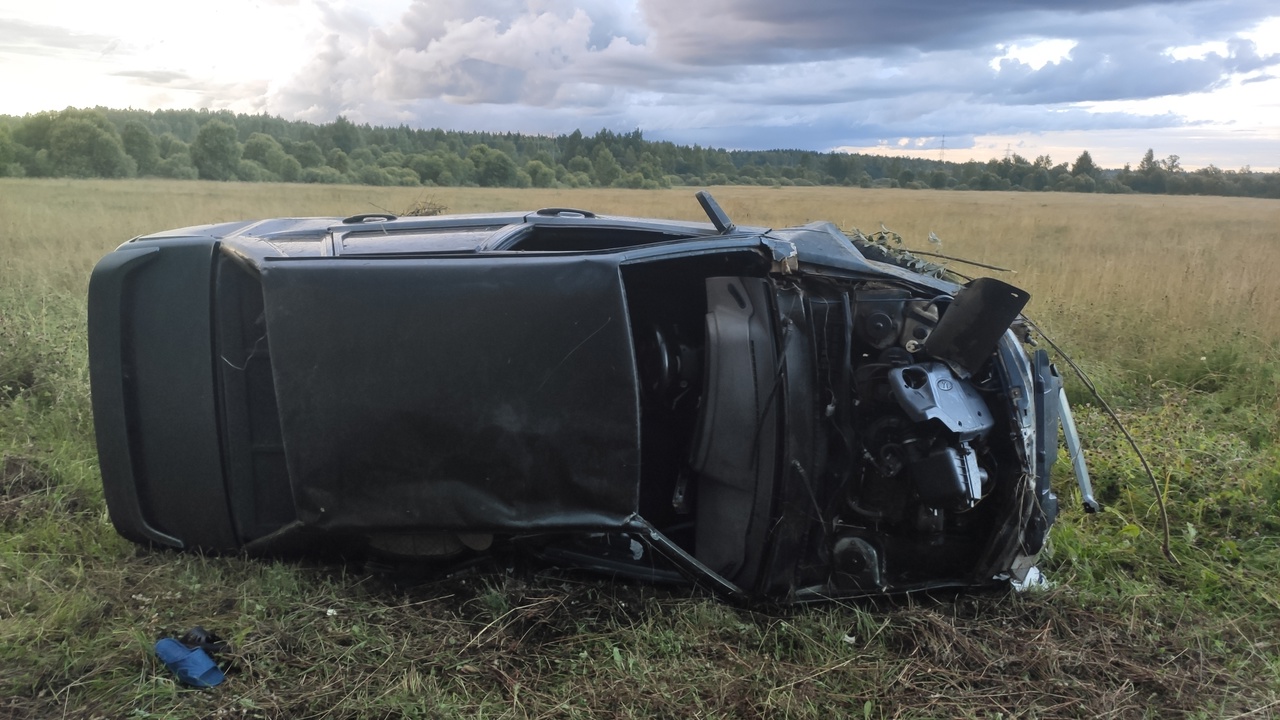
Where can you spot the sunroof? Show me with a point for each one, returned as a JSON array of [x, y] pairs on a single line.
[[418, 241], [562, 238]]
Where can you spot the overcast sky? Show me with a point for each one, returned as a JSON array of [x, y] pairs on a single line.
[[958, 79]]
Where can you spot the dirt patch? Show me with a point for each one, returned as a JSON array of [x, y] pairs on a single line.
[[1032, 651], [28, 488], [11, 386], [24, 484], [20, 476]]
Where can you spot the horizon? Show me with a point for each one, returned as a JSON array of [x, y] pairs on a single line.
[[1191, 78], [1066, 156]]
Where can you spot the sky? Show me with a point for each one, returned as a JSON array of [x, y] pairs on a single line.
[[949, 79]]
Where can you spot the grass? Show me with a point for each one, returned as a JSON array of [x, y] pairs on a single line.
[[1168, 302]]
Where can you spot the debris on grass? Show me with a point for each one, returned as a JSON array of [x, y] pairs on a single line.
[[425, 206]]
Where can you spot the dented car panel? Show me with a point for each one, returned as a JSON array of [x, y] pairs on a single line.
[[767, 411]]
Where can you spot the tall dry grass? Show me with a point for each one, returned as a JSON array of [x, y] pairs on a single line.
[[1158, 275]]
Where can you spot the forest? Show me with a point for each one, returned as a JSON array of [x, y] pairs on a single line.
[[220, 145]]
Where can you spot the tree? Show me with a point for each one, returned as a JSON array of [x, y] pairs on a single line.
[[1151, 177], [632, 180], [342, 134], [574, 147], [494, 168], [840, 166], [169, 145], [258, 147], [253, 171], [1038, 179], [80, 147], [140, 145], [308, 153], [428, 168], [33, 131], [8, 149], [323, 174], [1148, 164], [178, 167], [338, 160], [216, 151], [604, 167], [540, 175], [1084, 166], [270, 155], [285, 166]]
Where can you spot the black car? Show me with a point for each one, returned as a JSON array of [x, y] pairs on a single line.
[[779, 413]]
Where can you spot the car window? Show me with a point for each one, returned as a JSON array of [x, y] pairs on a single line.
[[560, 238]]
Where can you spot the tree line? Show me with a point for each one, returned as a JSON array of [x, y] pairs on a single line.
[[199, 144]]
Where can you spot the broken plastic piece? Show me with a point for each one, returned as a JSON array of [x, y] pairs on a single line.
[[1091, 505], [198, 637], [717, 215]]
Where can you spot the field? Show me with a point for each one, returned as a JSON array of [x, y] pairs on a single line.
[[1169, 303]]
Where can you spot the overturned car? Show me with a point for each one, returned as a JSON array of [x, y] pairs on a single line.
[[778, 414]]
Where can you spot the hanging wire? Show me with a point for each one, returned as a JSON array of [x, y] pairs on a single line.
[[1155, 485]]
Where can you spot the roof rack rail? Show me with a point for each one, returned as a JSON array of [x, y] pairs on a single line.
[[368, 217], [558, 211]]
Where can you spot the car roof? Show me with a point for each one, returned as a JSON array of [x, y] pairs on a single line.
[[385, 234]]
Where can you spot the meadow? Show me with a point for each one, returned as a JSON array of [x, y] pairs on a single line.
[[1169, 303]]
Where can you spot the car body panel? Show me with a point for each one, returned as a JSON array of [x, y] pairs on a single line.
[[152, 374], [398, 411]]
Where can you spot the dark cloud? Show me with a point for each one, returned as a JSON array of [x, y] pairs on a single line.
[[753, 31], [758, 73], [867, 123]]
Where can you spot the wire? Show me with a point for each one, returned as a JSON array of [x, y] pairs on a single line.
[[1155, 485], [252, 353], [961, 260]]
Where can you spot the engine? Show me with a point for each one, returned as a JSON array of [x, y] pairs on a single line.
[[920, 431]]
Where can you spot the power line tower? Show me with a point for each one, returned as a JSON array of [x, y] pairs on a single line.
[[942, 150]]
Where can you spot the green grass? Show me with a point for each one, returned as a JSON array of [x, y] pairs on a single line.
[[1122, 632]]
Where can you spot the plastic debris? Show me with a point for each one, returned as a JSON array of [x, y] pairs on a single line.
[[188, 657]]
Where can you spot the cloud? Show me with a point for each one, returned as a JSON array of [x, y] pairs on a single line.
[[1113, 70], [38, 38], [155, 77], [456, 53], [812, 74], [752, 31], [484, 59]]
